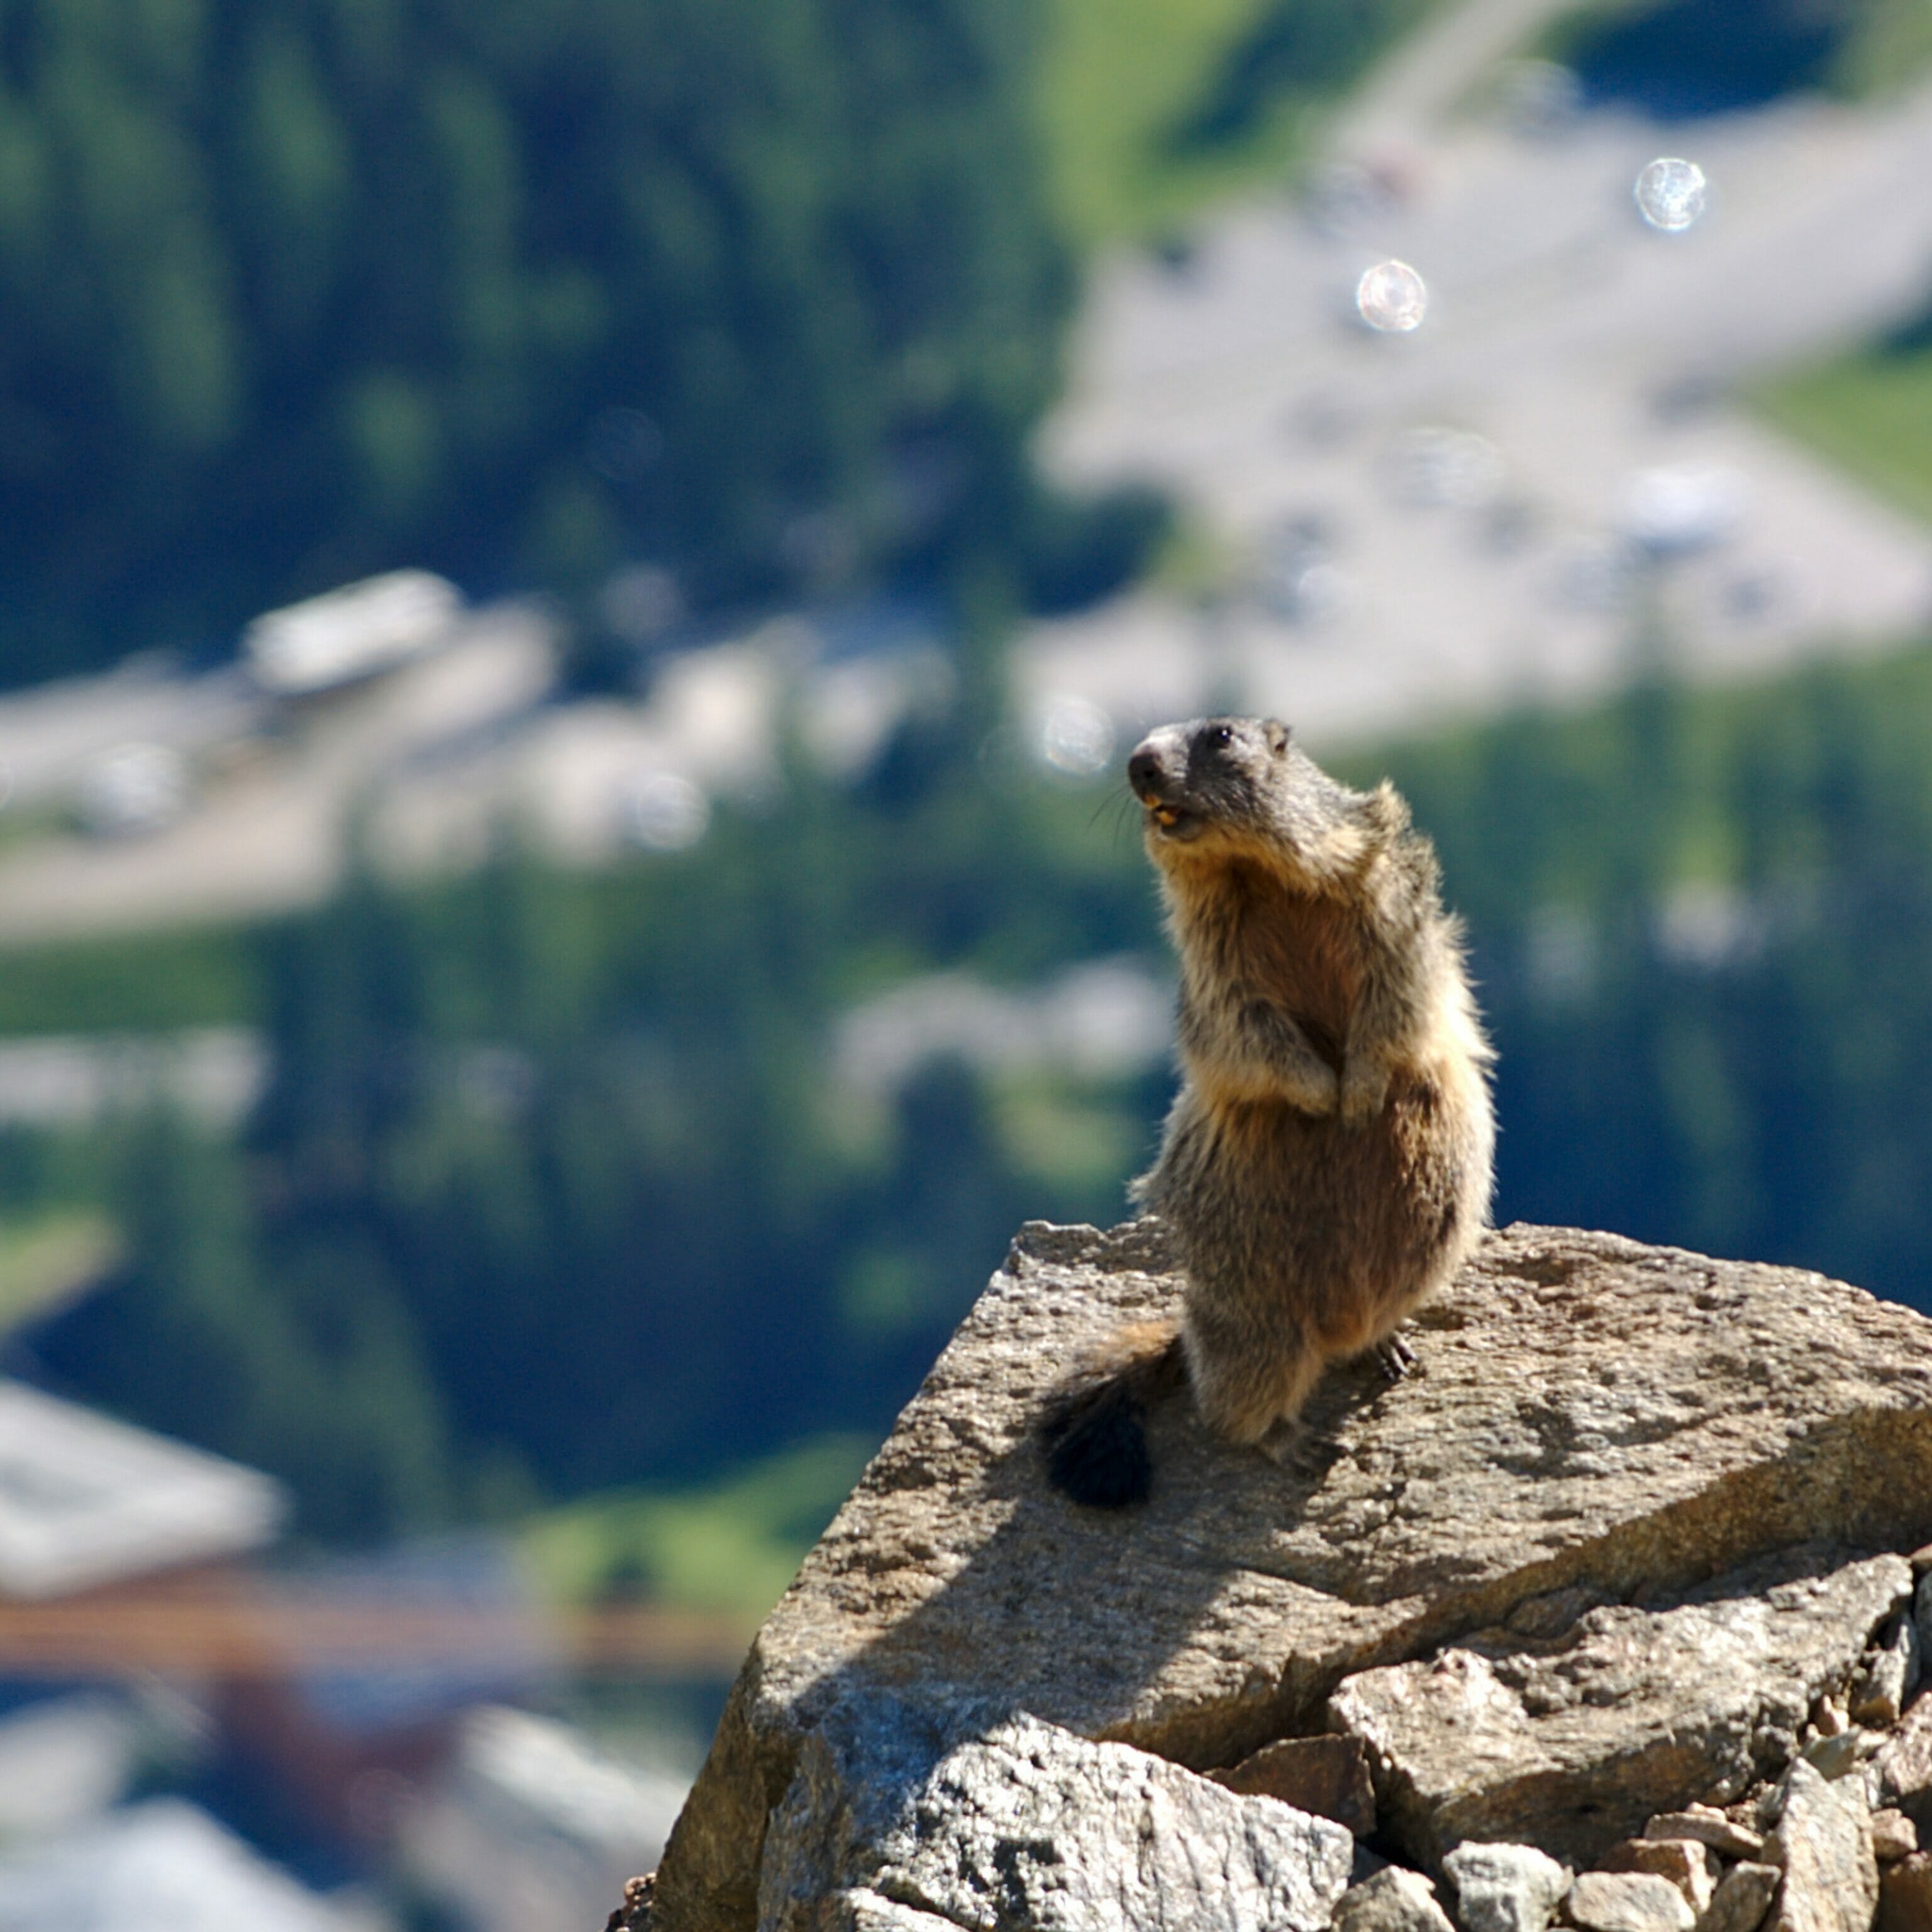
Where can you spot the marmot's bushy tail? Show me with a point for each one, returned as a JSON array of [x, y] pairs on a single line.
[[1095, 1429]]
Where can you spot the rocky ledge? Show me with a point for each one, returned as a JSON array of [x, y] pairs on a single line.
[[1607, 1616]]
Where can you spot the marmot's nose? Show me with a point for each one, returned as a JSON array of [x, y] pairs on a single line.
[[1143, 768]]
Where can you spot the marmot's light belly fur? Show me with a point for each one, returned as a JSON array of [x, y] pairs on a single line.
[[1327, 1163]]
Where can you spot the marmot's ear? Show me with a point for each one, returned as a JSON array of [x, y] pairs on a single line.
[[1278, 735]]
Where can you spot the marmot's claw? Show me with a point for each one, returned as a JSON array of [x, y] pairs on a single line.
[[1395, 1357]]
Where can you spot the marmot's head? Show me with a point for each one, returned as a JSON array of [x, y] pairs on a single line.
[[1217, 788]]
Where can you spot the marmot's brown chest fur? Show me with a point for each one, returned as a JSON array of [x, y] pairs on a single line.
[[1326, 1164], [1300, 950]]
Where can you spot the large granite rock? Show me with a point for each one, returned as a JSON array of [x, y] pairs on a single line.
[[1742, 1899], [1029, 1825], [1595, 1425]]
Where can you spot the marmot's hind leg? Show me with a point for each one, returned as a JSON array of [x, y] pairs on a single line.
[[1300, 1450], [1244, 1385]]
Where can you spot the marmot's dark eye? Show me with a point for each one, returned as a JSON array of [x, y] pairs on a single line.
[[1220, 736]]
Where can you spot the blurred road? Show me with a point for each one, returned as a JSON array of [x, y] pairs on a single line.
[[1429, 75], [1545, 478], [279, 786]]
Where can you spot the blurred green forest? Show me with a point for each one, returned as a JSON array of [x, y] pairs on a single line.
[[768, 293], [554, 1187], [1702, 922], [765, 290], [555, 1190]]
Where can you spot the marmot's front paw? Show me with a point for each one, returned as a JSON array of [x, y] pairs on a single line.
[[1320, 1094], [1364, 1089]]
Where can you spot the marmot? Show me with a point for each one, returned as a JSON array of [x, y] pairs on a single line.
[[1327, 1163]]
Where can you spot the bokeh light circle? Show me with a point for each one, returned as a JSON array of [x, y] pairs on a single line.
[[1671, 193], [1391, 298]]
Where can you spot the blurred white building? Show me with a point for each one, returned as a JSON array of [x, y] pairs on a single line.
[[87, 1502], [1105, 1019], [535, 1830], [351, 634], [164, 1866]]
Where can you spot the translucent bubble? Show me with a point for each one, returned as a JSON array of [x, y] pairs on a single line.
[[1671, 193], [1316, 595], [1076, 737], [1391, 297], [663, 812]]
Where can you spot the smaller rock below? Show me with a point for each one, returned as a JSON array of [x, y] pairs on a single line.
[[1905, 1896], [1904, 1764], [1824, 1843], [1894, 1836], [1065, 1835], [1884, 1684], [1505, 1887], [1708, 1826], [1742, 1898], [1840, 1754], [1628, 1901], [1689, 1864], [1327, 1777], [1395, 1900]]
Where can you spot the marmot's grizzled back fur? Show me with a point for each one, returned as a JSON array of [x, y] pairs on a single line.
[[1327, 1162]]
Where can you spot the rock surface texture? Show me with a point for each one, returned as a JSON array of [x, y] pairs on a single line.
[[1576, 1741], [1611, 1565], [1328, 1776], [1823, 1845], [1505, 1887], [1392, 1900], [1031, 1825], [1625, 1901]]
